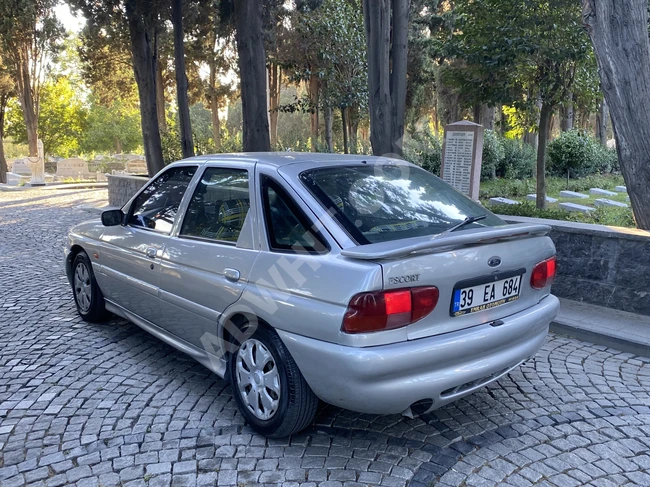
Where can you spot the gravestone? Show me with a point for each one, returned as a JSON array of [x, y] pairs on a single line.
[[37, 166], [20, 167], [620, 189], [462, 152], [533, 197], [502, 201], [606, 202], [136, 166], [14, 179], [575, 207], [72, 168], [572, 194], [602, 192], [101, 177]]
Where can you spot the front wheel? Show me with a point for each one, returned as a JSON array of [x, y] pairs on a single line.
[[268, 387], [87, 296]]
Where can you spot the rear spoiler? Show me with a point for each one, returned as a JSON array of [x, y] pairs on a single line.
[[444, 242]]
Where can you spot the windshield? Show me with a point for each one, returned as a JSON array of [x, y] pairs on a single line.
[[380, 202]]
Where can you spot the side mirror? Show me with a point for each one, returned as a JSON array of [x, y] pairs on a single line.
[[110, 218]]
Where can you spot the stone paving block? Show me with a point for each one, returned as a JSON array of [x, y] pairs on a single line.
[[112, 405]]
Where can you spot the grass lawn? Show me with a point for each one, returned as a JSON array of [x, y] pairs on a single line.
[[518, 189]]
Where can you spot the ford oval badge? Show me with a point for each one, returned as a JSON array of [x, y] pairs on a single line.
[[494, 261]]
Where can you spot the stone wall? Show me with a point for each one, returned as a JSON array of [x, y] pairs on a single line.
[[122, 187], [606, 266]]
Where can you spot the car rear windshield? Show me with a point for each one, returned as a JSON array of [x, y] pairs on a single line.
[[381, 202]]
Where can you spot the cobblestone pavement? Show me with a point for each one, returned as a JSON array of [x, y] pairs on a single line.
[[111, 405]]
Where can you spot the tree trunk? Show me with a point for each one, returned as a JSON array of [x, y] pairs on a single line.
[[602, 118], [503, 120], [252, 71], [29, 110], [346, 149], [376, 15], [214, 107], [3, 160], [274, 101], [567, 114], [619, 32], [118, 145], [476, 113], [144, 40], [328, 129], [313, 89], [185, 124], [353, 126], [160, 100], [487, 117], [399, 55], [544, 128]]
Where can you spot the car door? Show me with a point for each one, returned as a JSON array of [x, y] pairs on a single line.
[[206, 265], [130, 255]]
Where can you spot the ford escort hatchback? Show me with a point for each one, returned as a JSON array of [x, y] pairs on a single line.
[[364, 282]]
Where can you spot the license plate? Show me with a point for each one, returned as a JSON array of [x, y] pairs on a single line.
[[485, 296]]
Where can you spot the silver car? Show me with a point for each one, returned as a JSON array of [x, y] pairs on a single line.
[[364, 282]]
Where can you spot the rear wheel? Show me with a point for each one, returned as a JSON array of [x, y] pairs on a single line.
[[87, 296], [268, 387]]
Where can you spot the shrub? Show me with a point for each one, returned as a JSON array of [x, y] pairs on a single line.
[[425, 150], [605, 159], [493, 154], [574, 153], [519, 160]]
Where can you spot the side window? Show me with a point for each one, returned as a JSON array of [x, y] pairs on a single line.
[[156, 207], [219, 205], [288, 227]]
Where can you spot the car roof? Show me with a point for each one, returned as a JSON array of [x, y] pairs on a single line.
[[279, 159]]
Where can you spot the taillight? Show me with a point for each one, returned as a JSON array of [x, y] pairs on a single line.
[[387, 310], [543, 273]]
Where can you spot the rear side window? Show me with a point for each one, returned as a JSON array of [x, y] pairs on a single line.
[[156, 207], [381, 202], [218, 206], [288, 228]]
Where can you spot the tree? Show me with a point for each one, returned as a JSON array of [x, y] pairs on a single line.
[[7, 90], [211, 42], [115, 128], [619, 32], [61, 118], [387, 28], [138, 25], [185, 125], [328, 44], [524, 51], [29, 33], [252, 69]]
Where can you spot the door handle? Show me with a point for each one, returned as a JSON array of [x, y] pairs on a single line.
[[231, 274], [152, 252]]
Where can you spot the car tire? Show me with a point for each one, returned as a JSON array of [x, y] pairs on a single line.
[[87, 296], [284, 407]]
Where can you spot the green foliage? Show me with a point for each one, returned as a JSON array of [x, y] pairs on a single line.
[[112, 129], [619, 217], [493, 154], [519, 160], [61, 118], [425, 150], [577, 154]]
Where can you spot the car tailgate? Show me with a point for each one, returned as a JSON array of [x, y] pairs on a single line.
[[452, 266]]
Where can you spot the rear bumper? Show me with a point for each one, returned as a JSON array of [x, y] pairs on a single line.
[[388, 379]]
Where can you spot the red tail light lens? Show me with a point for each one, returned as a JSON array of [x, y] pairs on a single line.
[[544, 273], [387, 310]]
